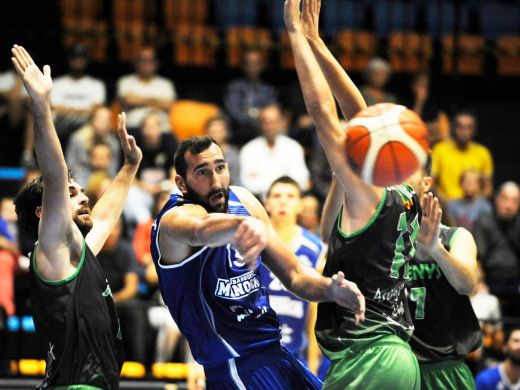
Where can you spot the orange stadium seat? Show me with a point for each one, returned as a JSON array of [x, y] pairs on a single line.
[[170, 370], [195, 45], [409, 52], [355, 48], [471, 55], [178, 12], [508, 55], [242, 38], [188, 117], [133, 370]]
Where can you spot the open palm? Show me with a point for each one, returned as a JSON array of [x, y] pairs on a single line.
[[38, 84]]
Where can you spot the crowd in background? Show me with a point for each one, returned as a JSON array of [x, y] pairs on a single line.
[[263, 137]]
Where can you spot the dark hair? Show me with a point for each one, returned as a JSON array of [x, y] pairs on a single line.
[[508, 331], [26, 202], [194, 145], [466, 112], [284, 180]]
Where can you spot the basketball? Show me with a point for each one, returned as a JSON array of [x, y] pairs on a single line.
[[386, 143]]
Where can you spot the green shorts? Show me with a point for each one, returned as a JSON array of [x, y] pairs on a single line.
[[446, 375], [386, 364]]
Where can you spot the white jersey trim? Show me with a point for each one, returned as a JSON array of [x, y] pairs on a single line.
[[234, 374]]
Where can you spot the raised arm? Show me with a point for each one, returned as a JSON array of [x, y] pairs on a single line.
[[108, 208], [59, 238], [363, 199], [343, 89], [459, 264], [331, 209]]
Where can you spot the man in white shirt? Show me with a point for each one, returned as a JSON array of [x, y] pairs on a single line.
[[75, 95], [271, 155], [143, 91]]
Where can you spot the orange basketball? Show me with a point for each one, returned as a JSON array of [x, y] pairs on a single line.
[[386, 143]]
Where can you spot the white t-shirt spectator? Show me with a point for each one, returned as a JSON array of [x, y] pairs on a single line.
[[156, 88], [78, 94], [260, 165]]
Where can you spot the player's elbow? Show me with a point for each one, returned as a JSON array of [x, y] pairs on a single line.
[[467, 287], [318, 110]]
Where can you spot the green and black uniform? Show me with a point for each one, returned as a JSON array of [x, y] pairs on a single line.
[[446, 328], [76, 320], [374, 354]]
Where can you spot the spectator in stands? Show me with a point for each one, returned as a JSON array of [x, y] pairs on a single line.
[[295, 315], [377, 74], [466, 210], [453, 156], [97, 131], [120, 266], [14, 117], [309, 216], [498, 244], [420, 100], [143, 91], [158, 149], [218, 129], [75, 95], [506, 375], [246, 96], [275, 155]]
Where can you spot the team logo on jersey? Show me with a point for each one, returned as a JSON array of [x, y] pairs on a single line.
[[237, 287], [406, 196], [108, 291]]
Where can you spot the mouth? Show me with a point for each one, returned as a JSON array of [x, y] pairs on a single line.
[[83, 212], [217, 197]]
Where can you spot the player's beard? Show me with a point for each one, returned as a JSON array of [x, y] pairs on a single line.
[[514, 357], [84, 225], [204, 201]]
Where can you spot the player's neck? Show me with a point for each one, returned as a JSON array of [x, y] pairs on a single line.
[[287, 231], [512, 371]]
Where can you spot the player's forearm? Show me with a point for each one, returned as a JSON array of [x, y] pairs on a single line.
[[461, 276], [344, 90], [215, 229], [47, 145], [109, 207], [308, 284], [331, 209]]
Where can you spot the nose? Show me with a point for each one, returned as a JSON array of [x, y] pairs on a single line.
[[83, 198]]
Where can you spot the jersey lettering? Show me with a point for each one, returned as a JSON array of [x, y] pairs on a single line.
[[418, 294], [404, 243]]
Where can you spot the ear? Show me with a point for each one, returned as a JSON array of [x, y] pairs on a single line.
[[427, 184], [181, 184], [38, 211]]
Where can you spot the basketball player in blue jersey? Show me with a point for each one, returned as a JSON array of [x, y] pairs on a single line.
[[296, 316], [72, 304], [441, 276], [373, 236], [207, 245]]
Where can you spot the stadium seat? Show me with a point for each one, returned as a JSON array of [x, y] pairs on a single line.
[[188, 117], [170, 370], [508, 55], [471, 54], [195, 45], [409, 52], [239, 39], [355, 49], [133, 370]]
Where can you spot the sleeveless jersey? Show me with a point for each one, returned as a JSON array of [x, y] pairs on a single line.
[[77, 320], [376, 258], [445, 325], [292, 311], [219, 304]]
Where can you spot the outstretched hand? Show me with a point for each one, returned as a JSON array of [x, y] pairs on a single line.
[[37, 84], [310, 18], [430, 222], [347, 294], [131, 151], [291, 15]]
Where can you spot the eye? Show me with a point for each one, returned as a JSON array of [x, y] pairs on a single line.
[[220, 168], [201, 172]]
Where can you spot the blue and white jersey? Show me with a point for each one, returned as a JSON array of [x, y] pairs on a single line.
[[291, 310], [218, 303]]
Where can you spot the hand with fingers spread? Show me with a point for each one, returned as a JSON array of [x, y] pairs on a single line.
[[347, 294], [250, 239], [131, 151], [310, 18], [38, 84], [430, 223]]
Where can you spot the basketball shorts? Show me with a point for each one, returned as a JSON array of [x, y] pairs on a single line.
[[386, 364], [273, 368], [446, 375]]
